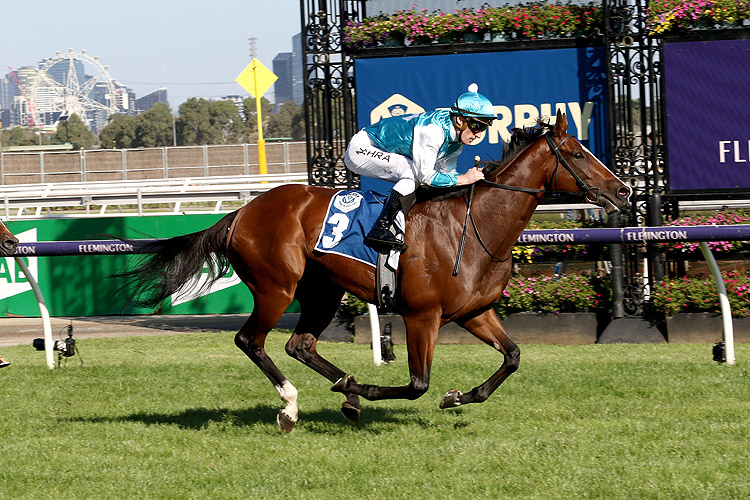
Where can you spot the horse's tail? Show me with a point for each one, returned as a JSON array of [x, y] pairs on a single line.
[[165, 266]]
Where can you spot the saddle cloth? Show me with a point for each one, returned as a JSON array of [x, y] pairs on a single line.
[[350, 216]]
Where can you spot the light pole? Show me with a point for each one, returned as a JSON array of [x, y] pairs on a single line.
[[174, 131]]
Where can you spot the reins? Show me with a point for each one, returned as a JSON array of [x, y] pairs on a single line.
[[559, 160]]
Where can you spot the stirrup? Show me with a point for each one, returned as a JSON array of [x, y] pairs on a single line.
[[386, 243]]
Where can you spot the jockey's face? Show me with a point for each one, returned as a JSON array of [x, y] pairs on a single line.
[[471, 132]]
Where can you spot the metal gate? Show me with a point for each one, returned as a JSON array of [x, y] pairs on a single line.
[[328, 75], [636, 123]]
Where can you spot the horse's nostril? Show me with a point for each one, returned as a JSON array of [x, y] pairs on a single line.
[[624, 192]]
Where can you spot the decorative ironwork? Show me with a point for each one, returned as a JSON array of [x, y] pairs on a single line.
[[330, 111], [636, 137]]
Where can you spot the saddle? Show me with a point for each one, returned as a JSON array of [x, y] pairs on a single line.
[[349, 216]]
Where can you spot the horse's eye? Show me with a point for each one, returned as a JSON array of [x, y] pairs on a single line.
[[578, 155]]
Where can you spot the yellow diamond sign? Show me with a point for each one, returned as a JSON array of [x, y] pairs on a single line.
[[256, 78]]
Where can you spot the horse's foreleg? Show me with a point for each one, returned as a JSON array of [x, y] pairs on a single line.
[[421, 337], [487, 327]]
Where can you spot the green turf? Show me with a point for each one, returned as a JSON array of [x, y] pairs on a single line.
[[189, 417]]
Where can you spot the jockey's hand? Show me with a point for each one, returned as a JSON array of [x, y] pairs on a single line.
[[473, 175]]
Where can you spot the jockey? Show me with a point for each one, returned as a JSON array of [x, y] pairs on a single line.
[[417, 149]]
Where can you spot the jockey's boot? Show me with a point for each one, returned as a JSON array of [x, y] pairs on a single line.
[[380, 236]]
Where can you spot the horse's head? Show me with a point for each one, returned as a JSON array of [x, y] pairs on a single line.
[[578, 170], [8, 242]]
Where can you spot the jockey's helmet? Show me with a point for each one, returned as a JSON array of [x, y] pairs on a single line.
[[474, 105]]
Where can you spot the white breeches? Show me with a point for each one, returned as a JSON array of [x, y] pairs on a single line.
[[364, 158]]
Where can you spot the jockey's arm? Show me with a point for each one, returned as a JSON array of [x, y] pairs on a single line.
[[427, 142]]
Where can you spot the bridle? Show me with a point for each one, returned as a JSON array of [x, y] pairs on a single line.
[[559, 160]]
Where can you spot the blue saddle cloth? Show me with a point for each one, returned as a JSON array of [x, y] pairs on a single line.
[[349, 218]]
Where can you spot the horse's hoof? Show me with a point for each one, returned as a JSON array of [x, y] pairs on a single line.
[[451, 399], [341, 384], [350, 412], [286, 424]]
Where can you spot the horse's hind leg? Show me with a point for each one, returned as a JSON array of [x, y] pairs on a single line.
[[319, 300], [487, 327], [251, 339]]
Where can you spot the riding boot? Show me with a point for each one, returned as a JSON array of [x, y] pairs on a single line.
[[380, 236]]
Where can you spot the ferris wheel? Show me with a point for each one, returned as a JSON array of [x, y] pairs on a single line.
[[73, 83]]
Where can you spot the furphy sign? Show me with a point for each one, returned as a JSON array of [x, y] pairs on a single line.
[[522, 85], [708, 124]]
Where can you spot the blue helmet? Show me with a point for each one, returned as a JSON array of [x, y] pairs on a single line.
[[474, 105]]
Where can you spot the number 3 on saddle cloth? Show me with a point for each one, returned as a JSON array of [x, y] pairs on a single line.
[[349, 217]]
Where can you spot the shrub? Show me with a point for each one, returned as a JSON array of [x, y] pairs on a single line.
[[721, 217], [555, 294], [693, 295], [531, 20]]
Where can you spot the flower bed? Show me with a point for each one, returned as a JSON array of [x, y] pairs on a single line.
[[555, 294], [524, 21], [721, 217], [695, 295], [669, 16]]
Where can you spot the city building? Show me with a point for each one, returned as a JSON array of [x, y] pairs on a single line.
[[287, 66], [282, 68], [147, 102], [298, 89]]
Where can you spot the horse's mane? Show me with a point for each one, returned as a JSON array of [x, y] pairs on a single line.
[[520, 139]]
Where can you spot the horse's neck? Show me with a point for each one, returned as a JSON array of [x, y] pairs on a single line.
[[528, 170], [512, 210]]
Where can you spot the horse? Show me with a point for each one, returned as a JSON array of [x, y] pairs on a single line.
[[269, 243], [8, 242]]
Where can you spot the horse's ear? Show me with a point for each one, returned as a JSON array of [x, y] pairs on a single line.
[[561, 123]]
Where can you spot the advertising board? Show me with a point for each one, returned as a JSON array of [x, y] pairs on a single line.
[[80, 285], [522, 85], [708, 124]]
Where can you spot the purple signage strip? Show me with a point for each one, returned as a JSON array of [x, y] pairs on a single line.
[[634, 235], [92, 247]]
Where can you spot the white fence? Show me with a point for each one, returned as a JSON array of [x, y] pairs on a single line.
[[96, 197], [29, 167]]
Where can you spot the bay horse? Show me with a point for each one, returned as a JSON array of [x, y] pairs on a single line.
[[8, 242], [269, 243]]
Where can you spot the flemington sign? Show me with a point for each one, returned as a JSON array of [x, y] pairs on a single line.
[[634, 235]]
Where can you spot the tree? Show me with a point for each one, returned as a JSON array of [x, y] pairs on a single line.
[[203, 121], [74, 131], [288, 122], [18, 136], [153, 128], [249, 108], [193, 122], [227, 126], [119, 132]]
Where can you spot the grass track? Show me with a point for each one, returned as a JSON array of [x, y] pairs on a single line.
[[189, 417]]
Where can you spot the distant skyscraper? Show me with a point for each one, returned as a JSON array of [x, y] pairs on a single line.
[[282, 68], [298, 89], [147, 102]]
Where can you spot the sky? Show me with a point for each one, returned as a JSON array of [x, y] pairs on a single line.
[[194, 48]]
